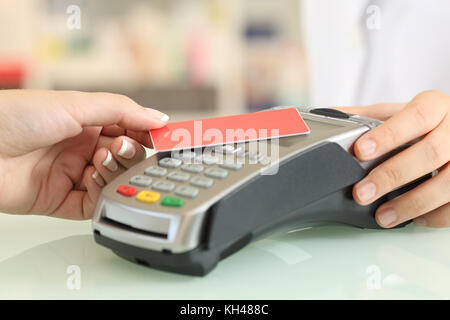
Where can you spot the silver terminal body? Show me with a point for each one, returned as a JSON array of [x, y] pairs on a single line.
[[157, 227]]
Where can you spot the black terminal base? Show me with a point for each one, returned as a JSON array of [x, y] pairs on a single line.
[[197, 262]]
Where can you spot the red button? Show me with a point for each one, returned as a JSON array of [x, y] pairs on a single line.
[[127, 191]]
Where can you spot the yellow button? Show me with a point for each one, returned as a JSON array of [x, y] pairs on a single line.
[[148, 196]]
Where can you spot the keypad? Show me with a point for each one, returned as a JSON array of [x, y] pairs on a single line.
[[182, 178]]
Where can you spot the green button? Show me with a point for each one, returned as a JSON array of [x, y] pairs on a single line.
[[172, 202]]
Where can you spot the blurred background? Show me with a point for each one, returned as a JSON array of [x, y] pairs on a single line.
[[189, 58]]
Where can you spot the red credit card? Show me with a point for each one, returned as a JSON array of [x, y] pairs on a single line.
[[230, 129]]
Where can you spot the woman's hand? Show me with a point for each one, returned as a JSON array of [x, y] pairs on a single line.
[[427, 115], [58, 148]]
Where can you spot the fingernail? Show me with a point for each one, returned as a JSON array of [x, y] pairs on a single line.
[[387, 217], [165, 118], [98, 179], [420, 222], [154, 113], [127, 150], [366, 191], [367, 147], [110, 163]]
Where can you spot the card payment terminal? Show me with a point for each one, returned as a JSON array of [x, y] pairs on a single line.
[[183, 213]]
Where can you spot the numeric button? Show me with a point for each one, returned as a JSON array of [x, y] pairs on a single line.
[[178, 176], [164, 186], [155, 171], [225, 149], [202, 182], [229, 149], [192, 167], [141, 181], [216, 173], [210, 159], [231, 165], [170, 162], [185, 155], [186, 191]]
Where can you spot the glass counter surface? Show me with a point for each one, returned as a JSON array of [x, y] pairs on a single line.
[[47, 258]]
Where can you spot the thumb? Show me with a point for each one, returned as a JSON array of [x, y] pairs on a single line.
[[33, 119], [381, 111]]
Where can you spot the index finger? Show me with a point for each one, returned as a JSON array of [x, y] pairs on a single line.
[[419, 117], [59, 115], [105, 109]]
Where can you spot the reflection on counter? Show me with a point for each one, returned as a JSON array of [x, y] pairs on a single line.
[[316, 263]]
